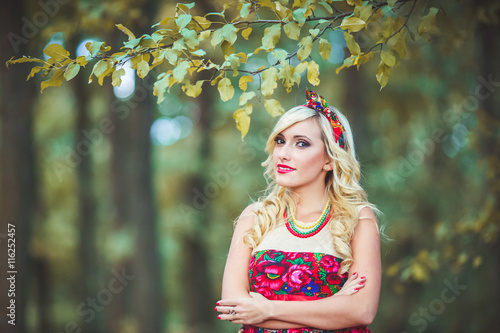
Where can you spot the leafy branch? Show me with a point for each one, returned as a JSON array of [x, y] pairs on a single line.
[[180, 48]]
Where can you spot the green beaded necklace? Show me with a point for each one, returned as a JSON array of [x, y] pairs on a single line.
[[291, 224]]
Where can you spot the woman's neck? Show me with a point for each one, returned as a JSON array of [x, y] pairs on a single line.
[[309, 202]]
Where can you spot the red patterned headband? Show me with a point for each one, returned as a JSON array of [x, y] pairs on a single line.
[[319, 103]]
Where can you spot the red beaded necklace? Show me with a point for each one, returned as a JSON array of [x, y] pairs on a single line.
[[305, 234]]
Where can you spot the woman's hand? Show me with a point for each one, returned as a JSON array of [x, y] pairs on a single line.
[[246, 311], [352, 285]]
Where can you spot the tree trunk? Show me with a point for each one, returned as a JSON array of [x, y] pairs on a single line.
[[18, 185]]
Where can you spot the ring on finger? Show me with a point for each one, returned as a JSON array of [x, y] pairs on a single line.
[[232, 311]]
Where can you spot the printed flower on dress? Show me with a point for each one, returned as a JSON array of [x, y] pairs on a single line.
[[310, 288], [271, 274], [329, 264], [297, 276]]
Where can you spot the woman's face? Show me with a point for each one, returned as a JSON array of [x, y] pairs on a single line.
[[299, 156]]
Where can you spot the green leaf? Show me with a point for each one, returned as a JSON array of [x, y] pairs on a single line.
[[273, 107], [160, 86], [229, 33], [326, 6], [71, 71], [271, 37], [180, 71], [299, 15], [226, 90], [183, 20], [245, 10], [190, 38], [246, 96]]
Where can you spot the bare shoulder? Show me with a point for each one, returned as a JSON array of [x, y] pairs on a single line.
[[366, 213], [247, 217]]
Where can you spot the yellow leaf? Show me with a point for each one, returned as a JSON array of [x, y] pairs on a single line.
[[34, 70], [22, 60], [273, 107], [352, 24], [246, 33], [269, 78], [116, 80], [363, 12], [55, 80], [292, 30], [71, 71], [242, 119], [426, 23], [272, 36], [199, 22], [400, 46], [388, 58], [56, 51], [142, 69], [204, 35], [289, 77], [351, 44], [363, 58], [193, 90], [325, 49], [244, 81], [126, 31], [227, 48], [382, 74], [217, 79], [313, 73], [81, 60], [246, 96], [226, 90], [305, 48], [347, 63]]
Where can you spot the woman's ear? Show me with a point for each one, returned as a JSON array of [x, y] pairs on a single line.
[[328, 166]]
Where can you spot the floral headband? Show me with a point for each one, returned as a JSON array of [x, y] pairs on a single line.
[[319, 103]]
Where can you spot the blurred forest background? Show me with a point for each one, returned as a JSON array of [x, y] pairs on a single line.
[[123, 208]]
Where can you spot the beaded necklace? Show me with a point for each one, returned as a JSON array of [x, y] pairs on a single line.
[[294, 227]]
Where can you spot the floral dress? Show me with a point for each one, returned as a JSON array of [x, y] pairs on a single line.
[[284, 267]]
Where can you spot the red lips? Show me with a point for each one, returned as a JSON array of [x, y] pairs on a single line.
[[283, 168]]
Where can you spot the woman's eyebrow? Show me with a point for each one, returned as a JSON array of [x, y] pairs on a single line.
[[301, 136]]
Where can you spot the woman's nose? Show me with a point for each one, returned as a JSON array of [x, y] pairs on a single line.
[[284, 152]]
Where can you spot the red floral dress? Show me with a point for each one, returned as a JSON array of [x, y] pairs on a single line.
[[296, 276]]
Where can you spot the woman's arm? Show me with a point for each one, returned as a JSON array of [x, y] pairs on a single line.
[[235, 283], [336, 312]]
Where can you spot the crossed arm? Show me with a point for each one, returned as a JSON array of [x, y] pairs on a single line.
[[354, 305]]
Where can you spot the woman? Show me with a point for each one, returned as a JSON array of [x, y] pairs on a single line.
[[306, 256]]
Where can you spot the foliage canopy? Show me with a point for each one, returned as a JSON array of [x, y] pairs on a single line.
[[186, 44]]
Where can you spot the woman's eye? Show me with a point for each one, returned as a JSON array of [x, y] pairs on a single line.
[[279, 141], [303, 144]]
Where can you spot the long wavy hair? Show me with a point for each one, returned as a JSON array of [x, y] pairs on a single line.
[[341, 185]]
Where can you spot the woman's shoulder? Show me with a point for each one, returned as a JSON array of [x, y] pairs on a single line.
[[247, 216]]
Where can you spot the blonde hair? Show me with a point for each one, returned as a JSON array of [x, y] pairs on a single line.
[[341, 184]]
